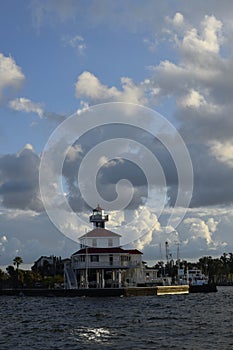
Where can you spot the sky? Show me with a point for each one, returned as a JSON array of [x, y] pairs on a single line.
[[134, 59]]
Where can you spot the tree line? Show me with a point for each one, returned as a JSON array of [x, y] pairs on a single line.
[[218, 270], [14, 277]]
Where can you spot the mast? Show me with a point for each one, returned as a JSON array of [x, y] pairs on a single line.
[[170, 262], [86, 266], [178, 255], [161, 263], [178, 263], [167, 252]]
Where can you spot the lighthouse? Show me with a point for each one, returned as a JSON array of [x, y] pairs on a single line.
[[98, 217], [101, 262]]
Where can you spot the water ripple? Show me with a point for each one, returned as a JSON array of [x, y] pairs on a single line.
[[195, 321]]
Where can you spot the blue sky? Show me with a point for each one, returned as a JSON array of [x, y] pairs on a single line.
[[57, 57], [51, 64]]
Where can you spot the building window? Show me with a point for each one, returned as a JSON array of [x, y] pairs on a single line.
[[82, 258], [94, 242], [125, 258], [82, 246], [94, 258], [110, 259], [110, 242]]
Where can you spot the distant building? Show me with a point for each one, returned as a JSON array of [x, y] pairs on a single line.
[[49, 265], [42, 261], [101, 262]]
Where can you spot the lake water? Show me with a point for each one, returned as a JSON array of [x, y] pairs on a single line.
[[194, 321]]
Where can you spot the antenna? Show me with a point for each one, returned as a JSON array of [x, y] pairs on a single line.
[[178, 255], [160, 251], [178, 251], [168, 253]]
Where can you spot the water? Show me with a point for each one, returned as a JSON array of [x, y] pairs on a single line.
[[194, 321]]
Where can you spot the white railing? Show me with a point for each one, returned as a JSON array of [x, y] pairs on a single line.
[[103, 264], [70, 278]]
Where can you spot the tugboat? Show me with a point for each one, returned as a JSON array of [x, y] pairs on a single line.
[[198, 282]]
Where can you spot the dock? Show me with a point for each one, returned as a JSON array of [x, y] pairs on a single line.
[[98, 292]]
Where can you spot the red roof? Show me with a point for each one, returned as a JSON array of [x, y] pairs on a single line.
[[91, 250], [100, 232], [116, 250], [133, 251]]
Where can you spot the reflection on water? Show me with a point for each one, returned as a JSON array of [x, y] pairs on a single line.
[[91, 335]]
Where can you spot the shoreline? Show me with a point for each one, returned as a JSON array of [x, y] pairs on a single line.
[[109, 292]]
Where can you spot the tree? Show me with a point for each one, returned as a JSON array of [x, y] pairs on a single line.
[[31, 278], [12, 276], [3, 278], [17, 261]]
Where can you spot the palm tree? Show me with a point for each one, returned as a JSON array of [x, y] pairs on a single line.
[[17, 261]]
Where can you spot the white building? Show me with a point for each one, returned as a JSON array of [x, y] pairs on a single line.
[[101, 262]]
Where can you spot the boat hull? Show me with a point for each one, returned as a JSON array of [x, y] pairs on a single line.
[[204, 288]]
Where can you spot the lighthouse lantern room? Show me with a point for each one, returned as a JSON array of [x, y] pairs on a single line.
[[98, 217]]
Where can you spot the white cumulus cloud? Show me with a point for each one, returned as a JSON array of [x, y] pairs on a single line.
[[74, 152], [192, 99], [178, 19], [11, 75], [200, 65], [25, 105], [223, 151], [90, 87], [199, 228], [209, 38]]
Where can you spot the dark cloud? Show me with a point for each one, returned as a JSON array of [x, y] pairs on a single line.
[[212, 179], [19, 186], [201, 126], [117, 169], [30, 236]]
